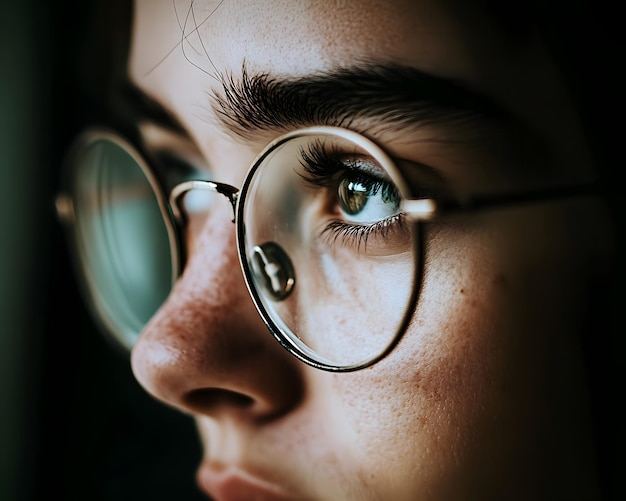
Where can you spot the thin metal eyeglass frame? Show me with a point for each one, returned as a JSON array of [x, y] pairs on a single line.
[[418, 210], [415, 210]]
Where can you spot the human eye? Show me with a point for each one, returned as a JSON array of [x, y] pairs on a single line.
[[364, 199], [174, 167], [360, 205], [174, 157]]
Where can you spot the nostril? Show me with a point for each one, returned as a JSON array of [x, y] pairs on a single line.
[[210, 400]]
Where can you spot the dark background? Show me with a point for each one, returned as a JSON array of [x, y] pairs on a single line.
[[74, 424]]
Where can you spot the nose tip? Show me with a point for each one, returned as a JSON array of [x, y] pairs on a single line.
[[207, 350], [251, 381], [200, 366]]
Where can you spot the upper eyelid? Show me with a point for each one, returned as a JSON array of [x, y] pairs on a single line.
[[162, 144], [172, 169], [424, 182], [415, 173], [196, 162], [158, 138], [336, 160]]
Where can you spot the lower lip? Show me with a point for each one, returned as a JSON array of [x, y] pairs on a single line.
[[235, 485]]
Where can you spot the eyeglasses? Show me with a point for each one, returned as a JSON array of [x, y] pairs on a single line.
[[329, 238]]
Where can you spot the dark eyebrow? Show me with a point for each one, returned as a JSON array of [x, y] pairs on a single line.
[[394, 96], [136, 105]]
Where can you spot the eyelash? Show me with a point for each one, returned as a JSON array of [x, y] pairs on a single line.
[[358, 235], [325, 167]]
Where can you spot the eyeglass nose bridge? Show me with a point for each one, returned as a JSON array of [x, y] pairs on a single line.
[[273, 264], [177, 193]]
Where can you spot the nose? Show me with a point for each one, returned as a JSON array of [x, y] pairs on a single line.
[[207, 351]]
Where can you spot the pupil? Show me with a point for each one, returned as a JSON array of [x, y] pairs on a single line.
[[353, 196]]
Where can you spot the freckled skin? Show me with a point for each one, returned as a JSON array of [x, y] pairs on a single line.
[[467, 406]]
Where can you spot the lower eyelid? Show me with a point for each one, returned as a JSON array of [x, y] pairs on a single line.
[[385, 237]]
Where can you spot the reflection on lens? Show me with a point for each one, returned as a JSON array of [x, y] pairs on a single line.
[[331, 203], [124, 242], [274, 269]]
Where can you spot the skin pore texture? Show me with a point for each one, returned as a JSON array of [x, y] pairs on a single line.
[[484, 396]]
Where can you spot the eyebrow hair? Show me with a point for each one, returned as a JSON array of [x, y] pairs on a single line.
[[137, 104], [394, 96]]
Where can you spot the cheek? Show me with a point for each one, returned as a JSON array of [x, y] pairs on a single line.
[[466, 381]]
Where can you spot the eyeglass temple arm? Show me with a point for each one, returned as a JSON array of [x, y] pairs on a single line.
[[425, 209], [416, 209], [181, 189]]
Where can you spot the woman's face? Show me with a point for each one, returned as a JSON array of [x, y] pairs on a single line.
[[480, 394]]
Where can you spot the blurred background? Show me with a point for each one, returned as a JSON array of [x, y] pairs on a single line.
[[74, 424]]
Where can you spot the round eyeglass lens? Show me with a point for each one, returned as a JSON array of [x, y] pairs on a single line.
[[125, 241], [329, 257]]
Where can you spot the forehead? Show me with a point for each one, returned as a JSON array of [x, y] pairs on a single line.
[[179, 47], [296, 37]]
